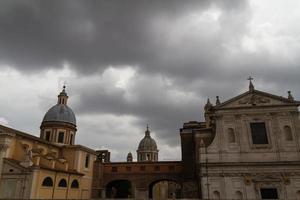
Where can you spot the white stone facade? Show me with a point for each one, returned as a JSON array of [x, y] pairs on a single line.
[[240, 168]]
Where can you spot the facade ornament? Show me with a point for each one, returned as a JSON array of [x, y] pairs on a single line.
[[247, 179], [3, 147], [208, 106], [290, 96], [50, 156], [62, 160], [37, 151], [218, 100], [254, 100], [5, 139], [285, 179], [28, 158]]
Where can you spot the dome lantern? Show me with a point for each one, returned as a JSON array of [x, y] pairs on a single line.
[[63, 97]]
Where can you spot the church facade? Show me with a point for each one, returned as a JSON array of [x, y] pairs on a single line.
[[248, 147], [47, 167]]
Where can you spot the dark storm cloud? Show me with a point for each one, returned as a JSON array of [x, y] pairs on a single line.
[[150, 99], [196, 45], [94, 34]]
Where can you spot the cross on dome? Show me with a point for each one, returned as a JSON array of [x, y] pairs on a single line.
[[147, 133]]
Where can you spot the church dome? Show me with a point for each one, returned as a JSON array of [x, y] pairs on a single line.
[[60, 113], [147, 143]]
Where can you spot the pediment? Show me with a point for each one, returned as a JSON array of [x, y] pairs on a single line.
[[255, 98]]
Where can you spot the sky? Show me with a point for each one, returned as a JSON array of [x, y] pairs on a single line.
[[129, 63]]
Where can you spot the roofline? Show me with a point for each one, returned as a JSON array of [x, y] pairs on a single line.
[[78, 146], [258, 92], [59, 170], [16, 164], [259, 106], [27, 135]]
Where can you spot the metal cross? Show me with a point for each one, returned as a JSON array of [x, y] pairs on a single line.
[[250, 78], [65, 84]]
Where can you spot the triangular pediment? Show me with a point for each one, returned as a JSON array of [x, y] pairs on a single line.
[[256, 98]]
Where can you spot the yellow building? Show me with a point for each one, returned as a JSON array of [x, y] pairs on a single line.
[[48, 167]]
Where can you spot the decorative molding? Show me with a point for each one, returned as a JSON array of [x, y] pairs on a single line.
[[255, 176], [254, 100], [3, 147]]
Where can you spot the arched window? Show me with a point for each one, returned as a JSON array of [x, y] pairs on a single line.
[[47, 182], [62, 183], [61, 136], [231, 135], [238, 195], [75, 184], [216, 195], [288, 133]]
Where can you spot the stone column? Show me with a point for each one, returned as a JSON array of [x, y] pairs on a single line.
[[5, 139]]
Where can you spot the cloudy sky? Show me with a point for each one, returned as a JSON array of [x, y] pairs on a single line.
[[129, 63]]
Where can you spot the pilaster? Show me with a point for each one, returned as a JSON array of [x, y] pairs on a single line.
[[5, 139]]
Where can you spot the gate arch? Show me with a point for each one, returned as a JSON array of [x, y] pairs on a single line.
[[164, 188]]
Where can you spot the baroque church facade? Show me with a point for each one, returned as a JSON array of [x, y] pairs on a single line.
[[248, 147]]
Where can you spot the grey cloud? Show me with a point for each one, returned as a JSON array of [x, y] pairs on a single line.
[[93, 34], [202, 58]]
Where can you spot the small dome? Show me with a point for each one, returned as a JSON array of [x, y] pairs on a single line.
[[129, 157], [60, 113], [147, 143]]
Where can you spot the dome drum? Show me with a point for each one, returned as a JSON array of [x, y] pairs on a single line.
[[54, 124]]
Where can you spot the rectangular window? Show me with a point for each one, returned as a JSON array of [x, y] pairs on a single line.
[[61, 136], [47, 136], [268, 193], [87, 161], [259, 133]]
